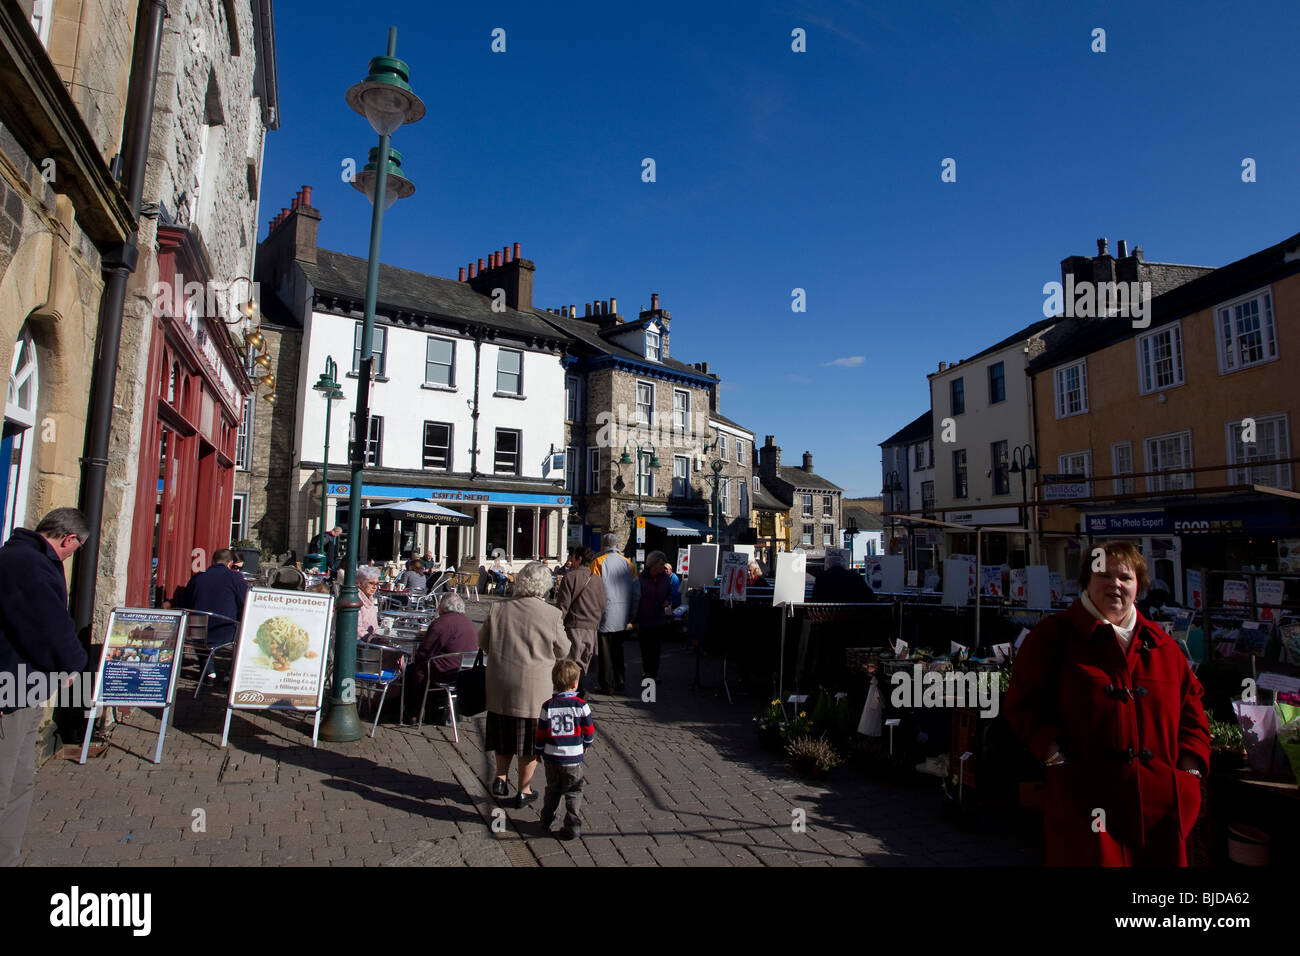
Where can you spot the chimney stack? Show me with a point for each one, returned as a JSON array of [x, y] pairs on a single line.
[[943, 366], [511, 272], [807, 462], [1123, 248], [1101, 246], [769, 458]]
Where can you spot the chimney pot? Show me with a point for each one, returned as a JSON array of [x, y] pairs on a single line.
[[613, 306], [807, 461], [516, 250], [505, 255], [306, 196], [296, 199], [654, 301], [461, 277], [1137, 253], [481, 264], [1101, 246], [587, 314], [1123, 248], [573, 311]]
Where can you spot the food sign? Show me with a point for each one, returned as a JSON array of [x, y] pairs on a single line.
[[283, 646]]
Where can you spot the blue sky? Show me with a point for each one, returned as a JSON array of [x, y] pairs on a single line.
[[820, 170]]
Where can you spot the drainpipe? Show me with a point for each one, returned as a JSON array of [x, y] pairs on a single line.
[[118, 264], [473, 447]]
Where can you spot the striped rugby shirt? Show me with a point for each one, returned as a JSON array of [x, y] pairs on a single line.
[[565, 728]]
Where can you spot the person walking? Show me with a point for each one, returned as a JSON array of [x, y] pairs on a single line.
[[332, 549], [565, 730], [653, 605], [622, 591], [1106, 700], [37, 636], [523, 637], [580, 598]]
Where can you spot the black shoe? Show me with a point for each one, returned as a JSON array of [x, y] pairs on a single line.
[[524, 799], [500, 788], [570, 833], [545, 824]]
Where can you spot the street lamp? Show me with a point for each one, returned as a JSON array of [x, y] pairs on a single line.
[[893, 486], [385, 99], [716, 467], [328, 386], [851, 531], [642, 448], [1022, 462]]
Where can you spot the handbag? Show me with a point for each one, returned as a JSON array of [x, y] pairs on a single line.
[[471, 689]]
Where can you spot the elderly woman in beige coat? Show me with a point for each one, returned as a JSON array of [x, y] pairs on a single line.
[[523, 637]]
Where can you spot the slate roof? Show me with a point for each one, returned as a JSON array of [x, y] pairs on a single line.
[[1027, 332], [1079, 337], [719, 417], [867, 520], [766, 500], [919, 428], [420, 295], [806, 479], [588, 334]]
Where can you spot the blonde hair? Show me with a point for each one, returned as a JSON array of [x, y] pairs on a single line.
[[565, 675]]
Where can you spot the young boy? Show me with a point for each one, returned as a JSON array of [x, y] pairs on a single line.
[[564, 732]]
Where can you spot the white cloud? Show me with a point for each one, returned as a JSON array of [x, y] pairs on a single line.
[[848, 361]]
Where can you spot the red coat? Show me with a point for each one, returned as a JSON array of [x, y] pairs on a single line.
[[1122, 722]]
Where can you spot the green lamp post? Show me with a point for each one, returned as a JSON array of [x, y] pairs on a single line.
[[328, 386], [716, 467], [642, 448], [385, 99]]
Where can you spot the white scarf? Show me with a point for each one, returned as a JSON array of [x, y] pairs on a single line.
[[1123, 631]]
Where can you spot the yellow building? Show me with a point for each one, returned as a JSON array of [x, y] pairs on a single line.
[[1181, 427]]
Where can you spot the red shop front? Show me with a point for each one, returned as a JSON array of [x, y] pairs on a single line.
[[196, 387]]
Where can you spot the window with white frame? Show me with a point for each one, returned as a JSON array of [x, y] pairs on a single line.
[[652, 345], [1246, 332], [919, 457], [828, 506], [1169, 453], [375, 443], [42, 15], [510, 372], [1076, 463], [645, 403], [681, 476], [440, 362], [244, 439], [1270, 441], [571, 403], [1121, 463], [1072, 389], [378, 350], [1160, 359], [806, 537], [959, 487], [681, 409], [645, 476], [722, 445], [238, 518], [509, 444], [807, 505], [828, 535], [740, 451], [571, 470], [437, 445], [593, 470], [724, 498]]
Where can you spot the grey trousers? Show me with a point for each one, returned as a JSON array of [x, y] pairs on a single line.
[[563, 780], [17, 777]]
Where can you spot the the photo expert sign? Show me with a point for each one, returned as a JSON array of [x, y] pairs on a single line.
[[141, 652], [282, 650]]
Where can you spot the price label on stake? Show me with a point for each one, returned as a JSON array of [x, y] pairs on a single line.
[[892, 722]]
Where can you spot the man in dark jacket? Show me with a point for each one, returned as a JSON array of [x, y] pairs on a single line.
[[219, 590], [332, 551], [37, 636]]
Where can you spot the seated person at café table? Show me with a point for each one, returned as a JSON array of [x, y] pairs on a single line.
[[368, 615], [413, 578], [451, 633], [498, 572]]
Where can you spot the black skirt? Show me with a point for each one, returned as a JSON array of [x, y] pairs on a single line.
[[513, 736]]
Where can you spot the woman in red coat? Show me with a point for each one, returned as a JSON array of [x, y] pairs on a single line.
[[1107, 701]]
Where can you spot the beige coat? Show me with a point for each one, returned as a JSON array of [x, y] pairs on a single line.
[[522, 638]]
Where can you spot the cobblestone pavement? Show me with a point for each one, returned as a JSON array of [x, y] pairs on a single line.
[[677, 781]]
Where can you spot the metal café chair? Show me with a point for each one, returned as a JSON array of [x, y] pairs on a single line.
[[373, 670], [196, 640], [467, 659]]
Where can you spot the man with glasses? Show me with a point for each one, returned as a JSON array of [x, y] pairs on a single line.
[[37, 636]]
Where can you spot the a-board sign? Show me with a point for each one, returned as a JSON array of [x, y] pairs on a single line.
[[956, 590], [683, 562], [1055, 586], [1017, 587], [745, 549], [991, 580], [283, 646], [1268, 598], [1038, 586], [1195, 594], [141, 659], [735, 575], [884, 572], [703, 565], [791, 577], [844, 555]]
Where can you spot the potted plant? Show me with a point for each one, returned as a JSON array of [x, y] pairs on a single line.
[[813, 756], [771, 727], [1227, 746], [249, 550]]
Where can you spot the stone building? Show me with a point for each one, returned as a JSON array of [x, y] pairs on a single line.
[[637, 420], [183, 378], [813, 504], [61, 213], [465, 410], [733, 451]]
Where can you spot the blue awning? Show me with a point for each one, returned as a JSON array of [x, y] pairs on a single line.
[[679, 527]]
